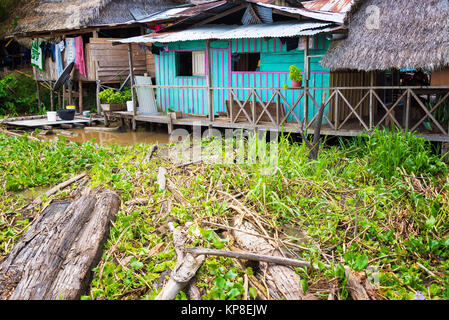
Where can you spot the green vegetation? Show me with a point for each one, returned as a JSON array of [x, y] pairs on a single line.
[[379, 201], [114, 96], [18, 95]]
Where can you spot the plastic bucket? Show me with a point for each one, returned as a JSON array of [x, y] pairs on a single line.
[[51, 116], [130, 106]]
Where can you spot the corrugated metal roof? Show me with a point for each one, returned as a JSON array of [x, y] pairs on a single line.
[[341, 6], [182, 12], [322, 15], [226, 32]]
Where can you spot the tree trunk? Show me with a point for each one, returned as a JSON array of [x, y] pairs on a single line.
[[55, 257]]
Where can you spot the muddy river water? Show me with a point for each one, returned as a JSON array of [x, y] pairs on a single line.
[[121, 138]]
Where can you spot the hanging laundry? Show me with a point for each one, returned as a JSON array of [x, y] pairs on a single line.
[[79, 60], [70, 51], [61, 46], [37, 57], [58, 59], [46, 50], [53, 52]]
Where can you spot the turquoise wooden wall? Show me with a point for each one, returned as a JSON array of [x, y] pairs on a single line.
[[275, 62]]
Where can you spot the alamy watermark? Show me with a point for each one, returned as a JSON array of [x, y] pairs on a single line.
[[233, 147]]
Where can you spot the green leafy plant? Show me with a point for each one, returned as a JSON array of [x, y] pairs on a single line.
[[295, 73], [113, 96], [389, 152]]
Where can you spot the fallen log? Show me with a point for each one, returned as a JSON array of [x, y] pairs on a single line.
[[55, 257], [282, 281]]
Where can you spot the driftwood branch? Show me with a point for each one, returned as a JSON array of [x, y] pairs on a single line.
[[249, 256], [185, 269], [52, 191]]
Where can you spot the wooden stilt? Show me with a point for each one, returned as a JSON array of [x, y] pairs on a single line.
[[63, 97], [52, 101], [80, 100], [98, 97], [39, 98], [70, 96]]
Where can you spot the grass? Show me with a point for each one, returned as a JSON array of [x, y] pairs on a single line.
[[374, 203]]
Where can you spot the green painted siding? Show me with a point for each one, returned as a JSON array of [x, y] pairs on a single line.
[[275, 63]]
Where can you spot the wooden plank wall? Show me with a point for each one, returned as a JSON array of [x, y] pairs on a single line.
[[113, 61], [440, 77], [151, 64], [350, 78]]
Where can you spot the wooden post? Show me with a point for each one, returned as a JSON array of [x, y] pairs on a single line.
[[253, 106], [98, 97], [407, 110], [59, 100], [306, 80], [52, 100], [210, 92], [63, 97], [371, 101], [278, 106], [80, 95], [70, 97], [39, 98], [131, 72]]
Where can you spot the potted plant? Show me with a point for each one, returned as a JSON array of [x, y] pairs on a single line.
[[296, 76], [174, 114], [112, 100]]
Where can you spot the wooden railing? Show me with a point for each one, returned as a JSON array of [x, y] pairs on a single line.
[[363, 107]]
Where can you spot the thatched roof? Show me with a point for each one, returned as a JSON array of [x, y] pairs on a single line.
[[411, 33], [38, 16]]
